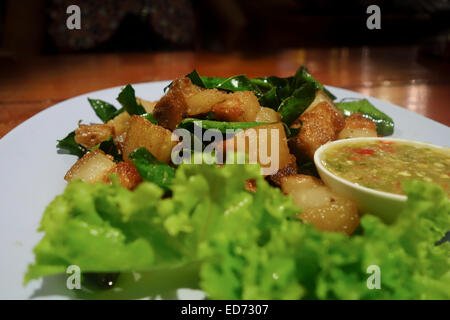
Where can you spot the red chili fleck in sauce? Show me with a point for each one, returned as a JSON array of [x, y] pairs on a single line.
[[363, 151]]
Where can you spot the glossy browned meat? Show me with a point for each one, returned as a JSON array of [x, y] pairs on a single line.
[[127, 174], [321, 206], [320, 125], [241, 106], [170, 110], [288, 170], [91, 135], [357, 126]]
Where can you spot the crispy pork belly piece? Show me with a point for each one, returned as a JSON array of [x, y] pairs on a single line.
[[127, 174], [251, 140], [91, 135], [267, 115], [357, 126], [186, 99], [288, 170], [229, 110], [320, 206], [320, 125], [241, 106], [170, 110], [143, 133], [93, 167], [202, 102], [120, 123]]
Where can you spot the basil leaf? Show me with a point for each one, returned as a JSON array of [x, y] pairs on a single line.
[[235, 83], [152, 169], [127, 99], [271, 91], [384, 123], [303, 76], [196, 79], [292, 107], [270, 99], [109, 147], [239, 83], [211, 82], [221, 126], [104, 110], [69, 145], [291, 132]]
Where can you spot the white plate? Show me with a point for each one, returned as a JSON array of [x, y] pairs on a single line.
[[31, 175]]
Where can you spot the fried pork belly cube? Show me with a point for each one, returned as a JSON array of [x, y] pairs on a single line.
[[143, 133], [149, 106], [91, 135], [240, 106], [320, 206], [288, 170], [357, 126], [251, 140], [318, 99], [127, 174], [202, 102], [93, 167], [120, 123], [267, 115], [170, 110], [320, 125]]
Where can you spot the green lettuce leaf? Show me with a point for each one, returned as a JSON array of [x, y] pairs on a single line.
[[245, 245]]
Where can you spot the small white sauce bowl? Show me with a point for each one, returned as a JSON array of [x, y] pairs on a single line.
[[385, 205]]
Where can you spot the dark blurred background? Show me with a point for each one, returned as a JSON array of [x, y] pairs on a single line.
[[39, 26]]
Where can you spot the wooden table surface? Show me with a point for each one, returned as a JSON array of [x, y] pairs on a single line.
[[401, 75]]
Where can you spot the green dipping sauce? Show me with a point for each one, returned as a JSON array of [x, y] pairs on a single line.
[[384, 165]]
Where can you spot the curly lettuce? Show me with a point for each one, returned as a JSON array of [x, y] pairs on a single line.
[[245, 245]]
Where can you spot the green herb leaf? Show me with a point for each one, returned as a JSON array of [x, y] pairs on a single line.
[[104, 110], [127, 99], [239, 83], [385, 124], [109, 147], [291, 132], [69, 145], [195, 79], [303, 76], [291, 108], [221, 126], [272, 91], [152, 169]]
